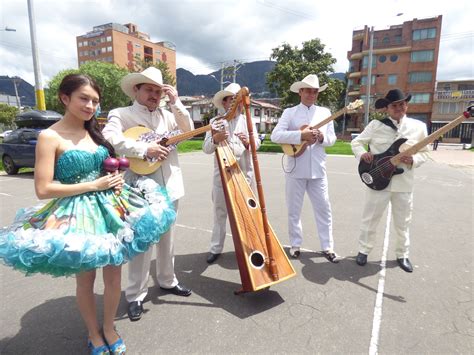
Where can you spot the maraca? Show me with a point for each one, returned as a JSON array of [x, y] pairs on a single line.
[[124, 163], [111, 165]]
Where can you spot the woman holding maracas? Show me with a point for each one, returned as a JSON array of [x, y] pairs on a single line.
[[93, 220]]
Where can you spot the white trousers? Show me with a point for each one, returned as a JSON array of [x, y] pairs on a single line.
[[139, 267], [317, 190], [375, 204], [220, 218]]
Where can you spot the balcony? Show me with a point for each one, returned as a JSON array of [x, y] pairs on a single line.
[[455, 95]]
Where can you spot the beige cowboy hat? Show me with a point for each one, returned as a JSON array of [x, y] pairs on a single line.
[[310, 81], [150, 75], [229, 90]]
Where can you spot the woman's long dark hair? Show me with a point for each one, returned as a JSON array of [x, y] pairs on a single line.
[[71, 83]]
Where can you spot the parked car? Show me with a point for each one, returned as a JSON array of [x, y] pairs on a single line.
[[18, 148], [5, 133]]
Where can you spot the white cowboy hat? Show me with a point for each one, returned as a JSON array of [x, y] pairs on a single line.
[[150, 75], [229, 90], [310, 81]]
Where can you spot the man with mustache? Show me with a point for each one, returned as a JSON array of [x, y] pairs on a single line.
[[147, 89]]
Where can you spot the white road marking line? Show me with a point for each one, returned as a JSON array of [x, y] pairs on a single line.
[[374, 340], [4, 194]]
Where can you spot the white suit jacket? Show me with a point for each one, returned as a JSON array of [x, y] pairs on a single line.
[[242, 155], [312, 163], [160, 121], [380, 137]]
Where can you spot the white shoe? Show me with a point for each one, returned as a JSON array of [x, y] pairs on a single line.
[[295, 252]]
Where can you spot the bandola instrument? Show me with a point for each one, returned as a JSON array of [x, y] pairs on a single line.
[[377, 174], [260, 257], [168, 139], [295, 150]]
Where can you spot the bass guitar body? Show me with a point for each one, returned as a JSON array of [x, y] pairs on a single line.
[[377, 174]]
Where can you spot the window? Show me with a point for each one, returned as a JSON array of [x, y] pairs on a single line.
[[422, 56], [448, 107], [103, 50], [398, 39], [109, 49], [392, 79], [84, 43], [425, 33], [256, 112], [382, 58], [386, 40], [420, 77], [365, 61], [109, 38], [363, 80], [393, 58], [79, 44], [420, 98]]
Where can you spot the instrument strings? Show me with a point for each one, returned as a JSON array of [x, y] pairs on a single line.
[[244, 215]]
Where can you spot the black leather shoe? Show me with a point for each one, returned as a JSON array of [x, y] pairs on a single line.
[[178, 290], [135, 310], [361, 259], [405, 264], [212, 257]]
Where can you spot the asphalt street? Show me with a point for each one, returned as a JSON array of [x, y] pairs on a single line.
[[327, 308]]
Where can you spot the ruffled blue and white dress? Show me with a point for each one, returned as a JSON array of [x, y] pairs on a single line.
[[83, 232]]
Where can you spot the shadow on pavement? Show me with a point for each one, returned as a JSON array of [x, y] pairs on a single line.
[[54, 327], [346, 270], [219, 293]]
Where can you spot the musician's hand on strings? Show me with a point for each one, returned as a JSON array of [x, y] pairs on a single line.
[[319, 136], [367, 157], [408, 160], [308, 135], [157, 151], [243, 138], [219, 133], [171, 92]]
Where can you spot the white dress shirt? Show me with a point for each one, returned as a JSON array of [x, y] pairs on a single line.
[[312, 163], [380, 137], [161, 121]]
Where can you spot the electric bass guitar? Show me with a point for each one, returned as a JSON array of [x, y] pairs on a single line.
[[377, 174], [295, 150], [169, 139]]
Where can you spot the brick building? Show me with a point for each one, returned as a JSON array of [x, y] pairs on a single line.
[[403, 56], [122, 45]]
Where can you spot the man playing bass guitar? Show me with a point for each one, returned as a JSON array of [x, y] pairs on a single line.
[[379, 135]]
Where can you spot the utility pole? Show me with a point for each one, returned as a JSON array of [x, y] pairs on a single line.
[[236, 67], [40, 102], [369, 77], [18, 103]]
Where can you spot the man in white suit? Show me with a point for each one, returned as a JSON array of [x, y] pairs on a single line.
[[307, 172], [379, 136], [237, 136], [147, 89]]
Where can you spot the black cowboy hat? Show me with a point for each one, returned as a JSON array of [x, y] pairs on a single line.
[[394, 95]]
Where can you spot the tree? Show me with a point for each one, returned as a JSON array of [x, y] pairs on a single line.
[[293, 64], [141, 65], [107, 76], [8, 114]]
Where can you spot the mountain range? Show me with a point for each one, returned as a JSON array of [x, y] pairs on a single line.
[[252, 75]]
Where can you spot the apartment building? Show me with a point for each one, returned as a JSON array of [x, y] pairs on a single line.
[[404, 56], [451, 99], [123, 45]]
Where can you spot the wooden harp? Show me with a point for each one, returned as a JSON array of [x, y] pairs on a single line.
[[260, 257]]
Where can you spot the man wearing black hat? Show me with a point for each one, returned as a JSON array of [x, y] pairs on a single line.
[[379, 136]]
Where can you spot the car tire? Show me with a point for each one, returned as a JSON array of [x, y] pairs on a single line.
[[9, 165]]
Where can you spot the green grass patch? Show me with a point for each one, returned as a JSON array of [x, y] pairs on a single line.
[[340, 147], [190, 146]]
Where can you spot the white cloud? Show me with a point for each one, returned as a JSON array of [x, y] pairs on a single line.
[[208, 32]]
